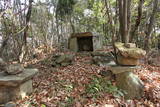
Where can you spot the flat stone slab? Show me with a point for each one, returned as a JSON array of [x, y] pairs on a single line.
[[117, 69], [14, 80]]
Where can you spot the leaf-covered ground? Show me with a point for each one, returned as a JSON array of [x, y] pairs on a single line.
[[66, 86]]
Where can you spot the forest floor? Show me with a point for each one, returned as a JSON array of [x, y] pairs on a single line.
[[67, 86]]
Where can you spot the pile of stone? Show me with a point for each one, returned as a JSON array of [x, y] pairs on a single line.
[[62, 60], [15, 81], [128, 56], [102, 58]]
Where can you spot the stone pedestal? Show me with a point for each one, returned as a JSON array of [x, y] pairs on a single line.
[[128, 81], [17, 86]]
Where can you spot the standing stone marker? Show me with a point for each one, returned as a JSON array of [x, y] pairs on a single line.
[[128, 58]]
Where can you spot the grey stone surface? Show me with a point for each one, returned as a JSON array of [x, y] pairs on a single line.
[[97, 42], [131, 84], [62, 60], [107, 74], [73, 45], [65, 58], [102, 58]]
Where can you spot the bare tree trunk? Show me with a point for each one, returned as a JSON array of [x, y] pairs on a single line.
[[120, 3], [27, 21], [24, 47], [149, 29], [125, 29], [124, 19], [112, 29], [138, 20]]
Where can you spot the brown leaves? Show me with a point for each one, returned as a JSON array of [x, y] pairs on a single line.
[[66, 86]]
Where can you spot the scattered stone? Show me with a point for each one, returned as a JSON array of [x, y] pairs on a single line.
[[153, 58], [102, 58], [10, 104], [14, 69], [107, 74], [62, 60]]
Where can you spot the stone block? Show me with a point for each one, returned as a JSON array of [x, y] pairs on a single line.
[[117, 69], [127, 60], [13, 87], [11, 93], [73, 45], [132, 52]]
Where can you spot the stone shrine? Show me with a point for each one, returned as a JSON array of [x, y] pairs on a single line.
[[85, 41]]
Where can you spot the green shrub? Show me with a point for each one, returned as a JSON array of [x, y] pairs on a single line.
[[101, 85]]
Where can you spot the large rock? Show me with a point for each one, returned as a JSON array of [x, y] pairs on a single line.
[[62, 60], [127, 81], [131, 84], [65, 58], [14, 69], [102, 58]]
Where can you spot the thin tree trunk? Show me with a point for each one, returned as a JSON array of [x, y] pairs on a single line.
[[120, 3], [138, 20], [149, 29], [27, 21], [112, 29], [125, 21], [24, 46]]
